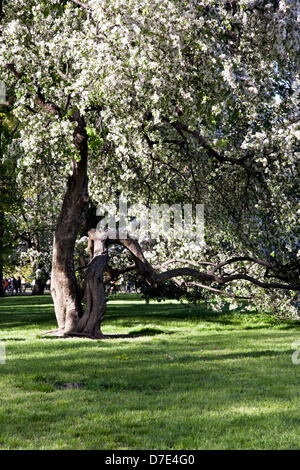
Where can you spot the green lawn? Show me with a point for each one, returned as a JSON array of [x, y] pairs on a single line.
[[186, 380]]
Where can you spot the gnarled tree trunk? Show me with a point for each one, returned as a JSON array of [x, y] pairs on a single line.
[[63, 281], [90, 323]]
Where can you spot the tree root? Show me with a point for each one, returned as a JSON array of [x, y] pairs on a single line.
[[72, 334], [57, 332]]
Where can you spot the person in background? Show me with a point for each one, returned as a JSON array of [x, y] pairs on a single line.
[[14, 285], [23, 285], [19, 285]]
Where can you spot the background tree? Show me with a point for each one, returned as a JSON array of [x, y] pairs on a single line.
[[10, 199]]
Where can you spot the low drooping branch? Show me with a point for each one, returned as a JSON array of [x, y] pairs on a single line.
[[89, 323], [265, 285], [217, 291], [223, 279], [151, 275]]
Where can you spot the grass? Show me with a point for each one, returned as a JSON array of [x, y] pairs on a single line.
[[187, 379]]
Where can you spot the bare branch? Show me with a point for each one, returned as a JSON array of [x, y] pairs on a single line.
[[244, 258], [114, 273], [202, 142], [265, 285], [81, 4], [181, 260]]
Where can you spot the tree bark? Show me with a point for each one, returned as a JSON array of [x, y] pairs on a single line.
[[39, 287], [90, 323], [63, 281]]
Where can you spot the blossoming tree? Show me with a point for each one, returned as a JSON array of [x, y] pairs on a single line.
[[195, 100]]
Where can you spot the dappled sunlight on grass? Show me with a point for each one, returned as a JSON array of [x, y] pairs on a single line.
[[180, 380]]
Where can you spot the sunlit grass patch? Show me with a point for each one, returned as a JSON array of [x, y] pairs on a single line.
[[178, 378]]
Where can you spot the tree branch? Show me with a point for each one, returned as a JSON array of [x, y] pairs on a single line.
[[265, 285], [47, 106], [217, 291], [14, 71], [210, 151], [81, 4], [243, 258], [152, 277]]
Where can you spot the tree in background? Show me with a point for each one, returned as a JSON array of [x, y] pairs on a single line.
[[26, 211], [10, 200]]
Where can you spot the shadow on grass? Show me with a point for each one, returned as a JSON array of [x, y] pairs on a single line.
[[146, 368], [13, 339], [132, 334], [157, 392], [27, 311], [244, 355], [138, 333], [162, 392]]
